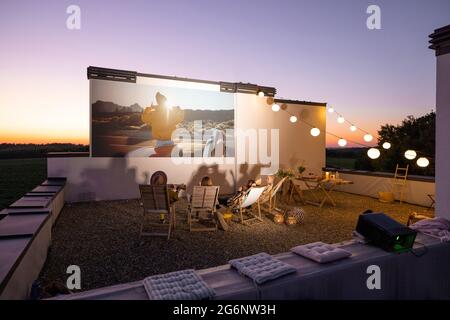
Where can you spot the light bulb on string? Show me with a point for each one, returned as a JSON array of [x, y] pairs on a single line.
[[368, 137], [353, 128], [275, 107], [373, 153], [340, 119], [330, 109], [410, 154], [293, 119], [315, 132], [342, 142], [386, 145], [423, 162]]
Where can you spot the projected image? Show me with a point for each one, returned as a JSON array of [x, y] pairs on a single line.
[[137, 120]]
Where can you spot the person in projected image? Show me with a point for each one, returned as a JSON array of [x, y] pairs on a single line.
[[163, 119]]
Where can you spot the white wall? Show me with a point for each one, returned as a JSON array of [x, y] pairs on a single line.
[[118, 178], [415, 191], [443, 136], [296, 145]]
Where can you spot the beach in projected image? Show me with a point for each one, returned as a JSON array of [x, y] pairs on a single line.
[[138, 120]]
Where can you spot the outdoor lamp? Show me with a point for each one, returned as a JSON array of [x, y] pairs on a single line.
[[367, 137], [340, 119], [330, 109], [275, 107], [373, 153], [410, 154], [293, 119], [342, 142], [423, 162], [261, 94], [386, 145], [352, 128], [315, 132]]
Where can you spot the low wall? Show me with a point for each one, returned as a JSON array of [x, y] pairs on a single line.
[[93, 179], [25, 236], [370, 183]]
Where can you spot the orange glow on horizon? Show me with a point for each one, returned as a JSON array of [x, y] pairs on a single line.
[[20, 138]]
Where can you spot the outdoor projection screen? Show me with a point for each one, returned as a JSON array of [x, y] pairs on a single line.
[[160, 118]]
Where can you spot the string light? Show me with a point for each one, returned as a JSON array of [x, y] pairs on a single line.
[[367, 137], [315, 132], [373, 153], [342, 142], [410, 154], [423, 162], [261, 94]]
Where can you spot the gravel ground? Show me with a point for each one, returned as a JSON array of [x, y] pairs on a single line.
[[102, 238]]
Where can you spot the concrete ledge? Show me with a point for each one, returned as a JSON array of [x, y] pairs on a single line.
[[25, 237], [366, 183], [24, 242]]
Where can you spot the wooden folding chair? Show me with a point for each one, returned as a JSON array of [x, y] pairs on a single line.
[[300, 187], [155, 201], [268, 198], [203, 202], [247, 203]]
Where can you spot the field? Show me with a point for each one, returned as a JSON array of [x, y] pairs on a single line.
[[344, 163], [17, 176]]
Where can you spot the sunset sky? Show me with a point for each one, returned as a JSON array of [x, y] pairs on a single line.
[[309, 50]]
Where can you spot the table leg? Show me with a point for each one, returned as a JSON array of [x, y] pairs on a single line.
[[327, 196]]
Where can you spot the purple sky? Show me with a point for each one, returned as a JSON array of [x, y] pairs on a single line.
[[308, 50]]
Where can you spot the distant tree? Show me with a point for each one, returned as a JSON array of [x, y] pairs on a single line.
[[31, 150], [418, 134]]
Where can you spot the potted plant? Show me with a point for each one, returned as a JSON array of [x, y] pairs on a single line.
[[282, 174], [300, 170]]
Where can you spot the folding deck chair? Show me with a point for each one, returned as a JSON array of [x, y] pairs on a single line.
[[268, 198], [155, 201], [247, 203], [203, 202]]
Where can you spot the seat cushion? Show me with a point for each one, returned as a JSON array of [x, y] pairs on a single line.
[[321, 252], [261, 267], [178, 285]]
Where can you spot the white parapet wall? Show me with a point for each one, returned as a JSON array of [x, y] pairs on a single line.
[[369, 184], [443, 135], [91, 179]]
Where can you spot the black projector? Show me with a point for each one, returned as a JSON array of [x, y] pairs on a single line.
[[384, 232]]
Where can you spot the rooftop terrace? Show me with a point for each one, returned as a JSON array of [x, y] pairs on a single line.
[[102, 238]]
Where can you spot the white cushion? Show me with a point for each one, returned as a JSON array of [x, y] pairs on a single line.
[[321, 252]]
